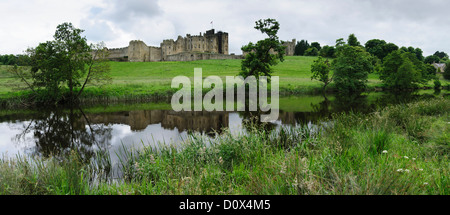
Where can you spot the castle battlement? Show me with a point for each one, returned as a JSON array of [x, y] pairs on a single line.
[[210, 45], [209, 42]]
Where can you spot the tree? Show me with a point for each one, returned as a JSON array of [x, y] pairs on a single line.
[[316, 45], [388, 48], [380, 48], [339, 44], [402, 70], [352, 40], [351, 69], [68, 60], [432, 59], [416, 51], [312, 51], [327, 51], [447, 71], [320, 70], [419, 54], [376, 48], [441, 54], [301, 47], [259, 58]]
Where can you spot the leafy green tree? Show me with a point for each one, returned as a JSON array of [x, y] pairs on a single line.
[[380, 48], [69, 61], [8, 59], [402, 70], [316, 45], [327, 51], [441, 54], [416, 51], [447, 71], [376, 48], [320, 70], [432, 59], [351, 69], [312, 51], [388, 48], [352, 40], [301, 47], [339, 44], [259, 59], [419, 54]]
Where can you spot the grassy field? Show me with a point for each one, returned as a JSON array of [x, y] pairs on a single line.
[[144, 81], [397, 150]]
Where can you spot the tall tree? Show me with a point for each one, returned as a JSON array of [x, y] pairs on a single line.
[[351, 69], [380, 48], [301, 47], [259, 59], [320, 70], [441, 54], [316, 45], [327, 51], [447, 70], [352, 40], [375, 47], [312, 51], [68, 60], [403, 70], [432, 59]]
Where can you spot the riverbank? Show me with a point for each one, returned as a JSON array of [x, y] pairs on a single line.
[[400, 149]]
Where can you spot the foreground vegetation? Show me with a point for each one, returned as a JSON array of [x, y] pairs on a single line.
[[401, 149]]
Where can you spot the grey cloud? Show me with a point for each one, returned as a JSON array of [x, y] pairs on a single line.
[[125, 11]]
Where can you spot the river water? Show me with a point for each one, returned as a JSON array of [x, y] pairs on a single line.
[[44, 132]]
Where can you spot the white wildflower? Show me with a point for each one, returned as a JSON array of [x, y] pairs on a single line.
[[425, 183], [407, 170], [420, 169], [385, 152], [406, 157], [400, 170]]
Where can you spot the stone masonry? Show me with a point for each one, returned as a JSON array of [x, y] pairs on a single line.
[[210, 45]]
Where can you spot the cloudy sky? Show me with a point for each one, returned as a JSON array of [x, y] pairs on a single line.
[[423, 24]]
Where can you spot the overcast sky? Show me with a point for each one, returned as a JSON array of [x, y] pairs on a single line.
[[423, 24]]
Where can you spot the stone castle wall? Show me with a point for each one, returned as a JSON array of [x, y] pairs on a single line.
[[191, 56], [290, 47], [213, 45]]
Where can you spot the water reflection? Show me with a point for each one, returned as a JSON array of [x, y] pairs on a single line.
[[138, 120], [57, 132], [47, 133]]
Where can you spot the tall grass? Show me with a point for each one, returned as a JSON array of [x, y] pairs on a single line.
[[397, 150]]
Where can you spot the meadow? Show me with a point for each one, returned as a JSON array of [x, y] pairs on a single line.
[[142, 81]]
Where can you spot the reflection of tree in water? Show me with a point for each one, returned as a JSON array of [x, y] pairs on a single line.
[[251, 120], [58, 132], [351, 102]]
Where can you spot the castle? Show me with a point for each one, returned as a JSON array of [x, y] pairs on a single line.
[[210, 45]]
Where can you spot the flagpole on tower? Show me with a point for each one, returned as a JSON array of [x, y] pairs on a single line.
[[212, 25]]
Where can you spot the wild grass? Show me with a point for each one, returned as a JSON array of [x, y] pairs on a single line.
[[397, 150]]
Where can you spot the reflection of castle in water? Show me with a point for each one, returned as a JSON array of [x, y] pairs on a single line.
[[140, 119]]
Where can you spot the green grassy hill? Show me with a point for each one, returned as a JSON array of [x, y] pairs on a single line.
[[150, 78]]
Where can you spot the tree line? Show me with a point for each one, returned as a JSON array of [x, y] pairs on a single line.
[[11, 60], [401, 68]]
